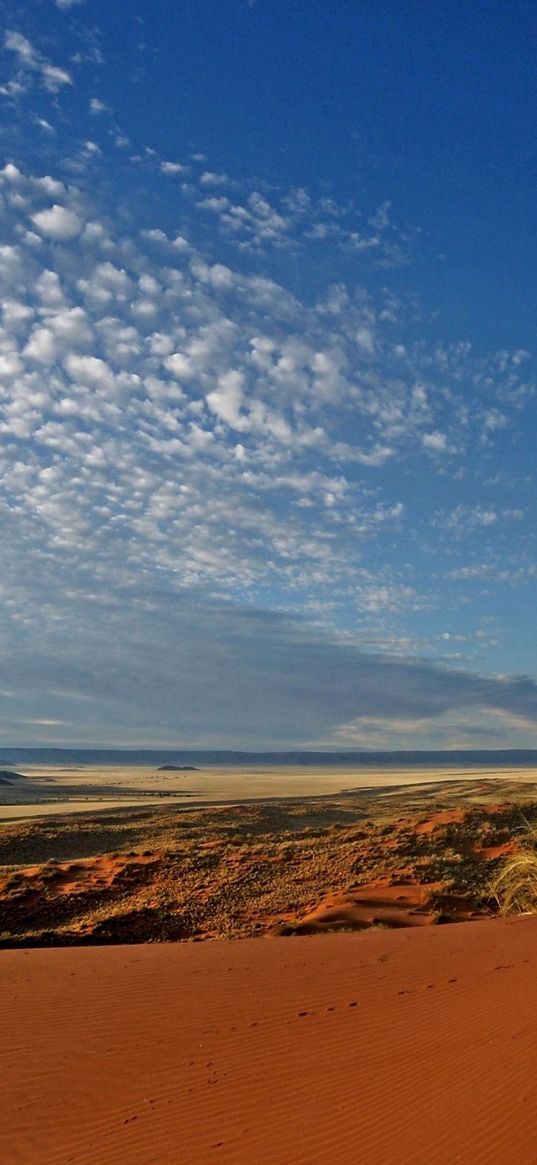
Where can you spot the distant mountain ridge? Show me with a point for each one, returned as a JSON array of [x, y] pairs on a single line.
[[514, 757]]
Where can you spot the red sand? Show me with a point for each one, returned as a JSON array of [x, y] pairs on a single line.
[[96, 872], [414, 1047], [375, 904], [437, 820]]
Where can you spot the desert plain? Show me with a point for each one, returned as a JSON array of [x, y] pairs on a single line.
[[50, 790], [268, 967]]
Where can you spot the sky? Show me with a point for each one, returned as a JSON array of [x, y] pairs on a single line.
[[268, 402]]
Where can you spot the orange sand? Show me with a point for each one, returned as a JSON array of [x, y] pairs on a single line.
[[436, 820], [94, 873], [414, 1047], [377, 904]]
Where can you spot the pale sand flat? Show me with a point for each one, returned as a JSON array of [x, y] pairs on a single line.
[[393, 1048], [51, 791]]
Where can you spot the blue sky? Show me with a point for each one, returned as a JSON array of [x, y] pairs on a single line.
[[267, 374]]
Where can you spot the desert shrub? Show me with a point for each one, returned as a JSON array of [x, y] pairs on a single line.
[[515, 885]]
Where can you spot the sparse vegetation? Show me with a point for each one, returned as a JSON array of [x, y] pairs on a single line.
[[515, 884], [252, 869]]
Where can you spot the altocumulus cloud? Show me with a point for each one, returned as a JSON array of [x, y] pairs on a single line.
[[184, 444], [31, 64], [58, 223]]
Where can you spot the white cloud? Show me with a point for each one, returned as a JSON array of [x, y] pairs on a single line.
[[227, 400], [45, 125], [41, 346], [97, 106], [436, 442], [171, 168], [179, 365], [20, 45], [30, 60], [294, 218], [89, 370], [209, 178], [58, 223], [467, 519]]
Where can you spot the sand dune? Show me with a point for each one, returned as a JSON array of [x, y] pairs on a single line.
[[413, 1047], [381, 904]]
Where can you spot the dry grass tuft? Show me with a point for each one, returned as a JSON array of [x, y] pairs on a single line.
[[515, 886]]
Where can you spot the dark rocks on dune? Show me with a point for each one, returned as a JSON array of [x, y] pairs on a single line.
[[177, 768]]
